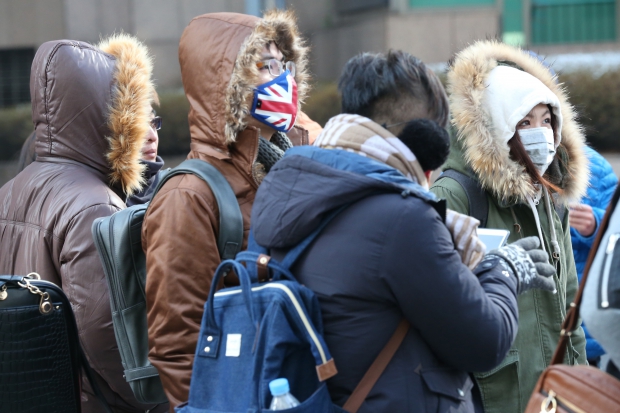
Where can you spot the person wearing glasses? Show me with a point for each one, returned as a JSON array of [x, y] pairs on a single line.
[[151, 161], [245, 79]]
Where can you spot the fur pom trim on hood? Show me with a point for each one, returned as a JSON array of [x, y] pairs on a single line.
[[279, 26], [485, 152], [130, 110]]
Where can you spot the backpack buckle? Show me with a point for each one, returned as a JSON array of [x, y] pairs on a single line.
[[261, 267]]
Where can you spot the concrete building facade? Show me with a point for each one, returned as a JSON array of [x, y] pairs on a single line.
[[433, 30]]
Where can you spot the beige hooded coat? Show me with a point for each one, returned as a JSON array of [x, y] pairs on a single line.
[[218, 55]]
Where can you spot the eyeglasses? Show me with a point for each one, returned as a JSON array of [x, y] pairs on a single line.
[[156, 122], [276, 67]]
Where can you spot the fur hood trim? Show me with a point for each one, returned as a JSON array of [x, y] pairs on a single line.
[[129, 113], [485, 152], [279, 26]]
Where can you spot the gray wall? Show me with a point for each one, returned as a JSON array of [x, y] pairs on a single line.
[[159, 23]]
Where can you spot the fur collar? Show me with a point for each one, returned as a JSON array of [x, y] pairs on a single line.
[[129, 113], [484, 152]]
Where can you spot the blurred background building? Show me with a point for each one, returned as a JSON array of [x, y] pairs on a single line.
[[337, 29], [568, 31]]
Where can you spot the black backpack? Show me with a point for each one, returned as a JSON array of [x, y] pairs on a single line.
[[118, 241], [477, 197]]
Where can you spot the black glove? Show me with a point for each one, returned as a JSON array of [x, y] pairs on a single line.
[[528, 263]]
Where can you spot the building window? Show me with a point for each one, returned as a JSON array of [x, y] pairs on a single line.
[[15, 76], [351, 6], [573, 21], [256, 7], [415, 4]]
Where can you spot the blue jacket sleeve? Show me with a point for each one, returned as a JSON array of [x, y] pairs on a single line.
[[602, 185]]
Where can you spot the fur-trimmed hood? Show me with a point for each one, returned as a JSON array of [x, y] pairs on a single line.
[[92, 105], [480, 145], [218, 53]]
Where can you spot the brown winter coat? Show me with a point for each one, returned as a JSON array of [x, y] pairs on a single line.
[[218, 55], [90, 111]]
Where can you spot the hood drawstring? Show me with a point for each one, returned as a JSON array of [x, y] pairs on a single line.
[[516, 224], [555, 246], [554, 238], [532, 204]]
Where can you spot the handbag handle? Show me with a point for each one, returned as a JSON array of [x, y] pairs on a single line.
[[572, 316]]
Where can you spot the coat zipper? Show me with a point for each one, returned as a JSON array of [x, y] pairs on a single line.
[[563, 403], [609, 255], [297, 306]]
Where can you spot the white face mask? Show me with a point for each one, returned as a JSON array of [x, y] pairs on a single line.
[[539, 144]]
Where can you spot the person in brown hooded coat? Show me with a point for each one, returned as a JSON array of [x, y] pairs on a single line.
[[90, 109], [223, 57]]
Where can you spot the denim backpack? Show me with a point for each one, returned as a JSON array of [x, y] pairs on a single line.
[[258, 332]]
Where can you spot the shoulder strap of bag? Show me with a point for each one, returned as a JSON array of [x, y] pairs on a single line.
[[376, 368], [572, 316], [476, 196], [230, 237], [91, 379]]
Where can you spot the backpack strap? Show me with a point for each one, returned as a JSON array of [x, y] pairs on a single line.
[[230, 237], [291, 257], [354, 402], [476, 196], [560, 209]]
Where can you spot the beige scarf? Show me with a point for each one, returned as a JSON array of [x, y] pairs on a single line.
[[361, 135]]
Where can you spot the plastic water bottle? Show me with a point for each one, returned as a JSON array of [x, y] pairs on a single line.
[[282, 397]]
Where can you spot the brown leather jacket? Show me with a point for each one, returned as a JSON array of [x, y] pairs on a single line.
[[181, 225], [47, 210]]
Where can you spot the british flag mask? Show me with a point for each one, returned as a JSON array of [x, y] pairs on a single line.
[[275, 102]]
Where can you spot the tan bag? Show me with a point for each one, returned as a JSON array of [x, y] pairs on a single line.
[[576, 389]]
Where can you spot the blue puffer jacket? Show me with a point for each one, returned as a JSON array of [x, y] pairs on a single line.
[[602, 184]]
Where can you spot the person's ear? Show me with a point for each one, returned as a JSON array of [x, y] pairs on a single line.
[[427, 174]]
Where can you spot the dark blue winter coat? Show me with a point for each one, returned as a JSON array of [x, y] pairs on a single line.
[[601, 187], [385, 257]]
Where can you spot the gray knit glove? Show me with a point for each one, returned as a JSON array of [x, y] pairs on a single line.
[[528, 263]]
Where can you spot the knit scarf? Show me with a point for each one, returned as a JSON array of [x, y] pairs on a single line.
[[361, 135], [270, 152], [364, 137]]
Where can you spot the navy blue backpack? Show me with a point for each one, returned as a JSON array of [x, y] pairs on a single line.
[[261, 331], [258, 332]]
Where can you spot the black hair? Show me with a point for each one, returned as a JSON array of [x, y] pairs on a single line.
[[428, 141], [377, 84]]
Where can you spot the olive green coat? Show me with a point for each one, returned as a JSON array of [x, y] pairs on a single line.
[[476, 152]]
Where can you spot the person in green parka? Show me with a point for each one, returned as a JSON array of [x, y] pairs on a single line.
[[516, 135]]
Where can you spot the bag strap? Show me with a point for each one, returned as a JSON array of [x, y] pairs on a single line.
[[230, 237], [572, 316], [376, 368], [88, 372], [476, 196]]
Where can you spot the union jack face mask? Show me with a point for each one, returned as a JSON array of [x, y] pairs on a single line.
[[275, 102]]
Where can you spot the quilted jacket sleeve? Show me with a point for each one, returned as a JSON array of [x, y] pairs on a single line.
[[179, 238]]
